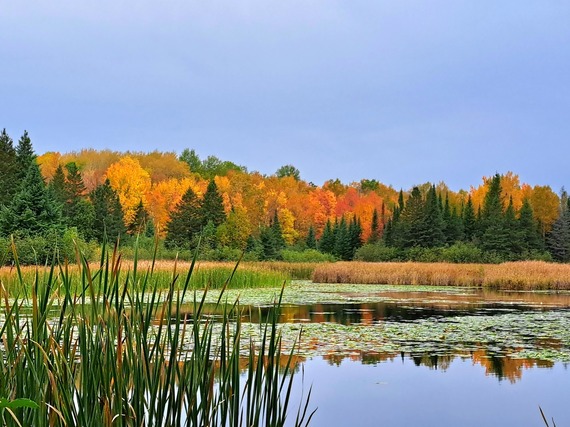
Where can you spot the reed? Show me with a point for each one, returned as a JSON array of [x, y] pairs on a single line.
[[111, 355], [205, 275], [524, 275]]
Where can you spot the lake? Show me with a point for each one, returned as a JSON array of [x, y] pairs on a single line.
[[410, 356]]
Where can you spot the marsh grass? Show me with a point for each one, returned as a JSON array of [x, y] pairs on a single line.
[[525, 275], [205, 275], [100, 357]]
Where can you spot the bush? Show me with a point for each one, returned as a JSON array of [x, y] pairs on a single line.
[[377, 252], [308, 255], [462, 253]]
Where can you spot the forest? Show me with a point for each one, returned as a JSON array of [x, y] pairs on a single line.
[[54, 202]]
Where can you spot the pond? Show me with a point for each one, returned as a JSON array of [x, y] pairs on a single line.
[[408, 356]]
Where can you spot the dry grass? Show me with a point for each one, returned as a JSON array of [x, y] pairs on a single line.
[[512, 275]]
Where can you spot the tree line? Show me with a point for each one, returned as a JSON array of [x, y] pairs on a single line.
[[187, 201]]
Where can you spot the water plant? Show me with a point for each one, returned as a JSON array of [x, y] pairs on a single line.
[[113, 353]]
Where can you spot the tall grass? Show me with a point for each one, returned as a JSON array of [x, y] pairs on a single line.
[[100, 357], [205, 275], [524, 275]]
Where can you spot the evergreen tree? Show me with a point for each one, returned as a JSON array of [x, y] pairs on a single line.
[[531, 238], [270, 248], [213, 205], [25, 155], [140, 222], [342, 244], [185, 222], [494, 235], [311, 241], [278, 239], [9, 179], [326, 243], [108, 218], [32, 211], [559, 238], [374, 228], [430, 231], [411, 222], [469, 221], [514, 246], [355, 235], [388, 236], [77, 211], [57, 186]]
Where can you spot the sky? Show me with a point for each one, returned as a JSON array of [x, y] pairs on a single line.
[[403, 92]]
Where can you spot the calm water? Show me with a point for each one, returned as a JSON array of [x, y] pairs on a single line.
[[401, 393], [390, 357]]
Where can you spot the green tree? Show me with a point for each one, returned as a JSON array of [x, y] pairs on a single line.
[[374, 228], [408, 230], [213, 205], [494, 235], [311, 240], [469, 221], [108, 219], [185, 222], [78, 212], [326, 242], [531, 237], [275, 227], [57, 185], [9, 178], [342, 243], [33, 210], [141, 221], [288, 170], [25, 155], [430, 230], [558, 240]]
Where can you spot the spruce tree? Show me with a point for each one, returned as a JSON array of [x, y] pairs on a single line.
[[355, 234], [213, 205], [494, 235], [311, 241], [33, 210], [326, 243], [57, 186], [108, 218], [140, 222], [25, 155], [278, 239], [9, 178], [430, 231], [531, 238], [374, 228], [408, 232], [558, 240], [514, 246], [185, 222], [77, 211], [342, 244], [469, 221]]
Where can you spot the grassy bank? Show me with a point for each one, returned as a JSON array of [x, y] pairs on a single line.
[[524, 275], [103, 357], [205, 274]]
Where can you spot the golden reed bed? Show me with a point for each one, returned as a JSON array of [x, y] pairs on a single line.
[[511, 275]]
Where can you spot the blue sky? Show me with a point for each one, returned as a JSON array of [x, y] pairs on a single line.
[[400, 91]]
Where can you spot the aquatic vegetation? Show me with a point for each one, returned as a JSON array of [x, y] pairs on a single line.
[[511, 275], [111, 355]]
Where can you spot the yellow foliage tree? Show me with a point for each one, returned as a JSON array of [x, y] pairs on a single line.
[[131, 182]]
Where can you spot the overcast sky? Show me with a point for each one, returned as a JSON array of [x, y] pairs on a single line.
[[400, 91]]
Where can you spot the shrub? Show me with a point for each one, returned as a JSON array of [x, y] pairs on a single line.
[[462, 253], [308, 255], [377, 253]]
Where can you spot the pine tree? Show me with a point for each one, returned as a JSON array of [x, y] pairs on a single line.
[[469, 221], [531, 238], [342, 243], [311, 241], [140, 222], [275, 226], [514, 246], [326, 243], [213, 205], [32, 211], [108, 219], [559, 238], [269, 246], [494, 235], [57, 186], [430, 231], [374, 228], [9, 179], [185, 222], [25, 155], [408, 230], [77, 211], [355, 235]]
